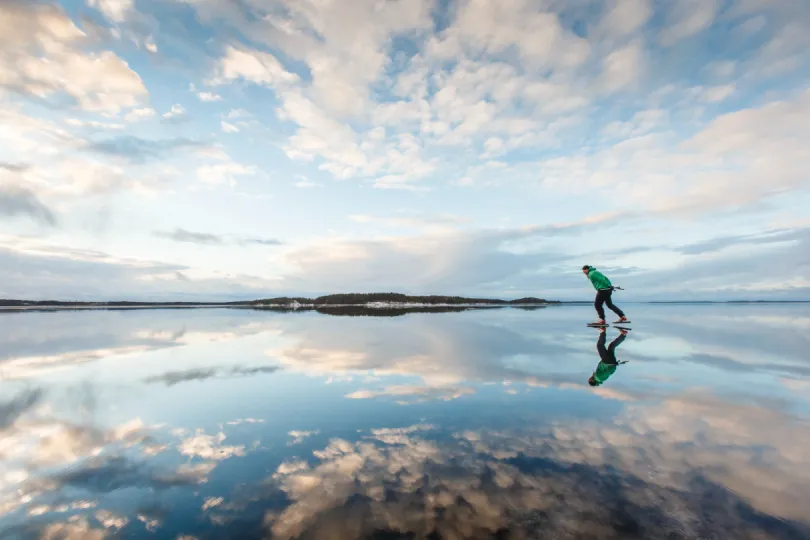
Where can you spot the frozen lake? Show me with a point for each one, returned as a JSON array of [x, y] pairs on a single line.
[[226, 423]]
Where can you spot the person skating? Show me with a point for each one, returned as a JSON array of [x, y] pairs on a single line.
[[607, 357], [604, 291]]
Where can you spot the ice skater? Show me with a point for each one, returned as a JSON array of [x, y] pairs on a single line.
[[604, 291], [607, 357]]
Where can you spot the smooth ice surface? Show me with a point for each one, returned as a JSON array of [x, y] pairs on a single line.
[[224, 423]]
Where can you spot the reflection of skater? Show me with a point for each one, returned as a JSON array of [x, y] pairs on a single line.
[[604, 291], [607, 363]]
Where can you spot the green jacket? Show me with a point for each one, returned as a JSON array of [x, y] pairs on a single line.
[[598, 279], [603, 372]]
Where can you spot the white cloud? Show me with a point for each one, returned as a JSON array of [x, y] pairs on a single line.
[[93, 124], [622, 67], [719, 93], [77, 529], [176, 113], [721, 166], [300, 436], [228, 128], [405, 394], [209, 97], [42, 55], [493, 26], [224, 173], [304, 183], [246, 421], [115, 10], [137, 115], [209, 447], [212, 502], [252, 66], [234, 114], [687, 18], [624, 17], [110, 520]]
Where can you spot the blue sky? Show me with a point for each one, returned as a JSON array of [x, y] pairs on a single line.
[[212, 149]]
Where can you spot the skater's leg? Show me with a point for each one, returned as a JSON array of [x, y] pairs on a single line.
[[600, 346], [615, 343], [611, 305], [597, 303]]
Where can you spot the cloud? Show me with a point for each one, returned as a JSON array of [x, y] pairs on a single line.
[[209, 97], [94, 125], [182, 235], [405, 219], [172, 378], [687, 18], [405, 394], [721, 242], [300, 436], [245, 421], [483, 482], [624, 17], [260, 241], [438, 260], [75, 529], [212, 502], [42, 56], [252, 66], [136, 115], [108, 474], [110, 520], [622, 67], [65, 342], [140, 150], [719, 93], [176, 377], [14, 167], [175, 115], [115, 10], [209, 447], [719, 167], [442, 358], [36, 270], [18, 201], [12, 409], [304, 183], [224, 173]]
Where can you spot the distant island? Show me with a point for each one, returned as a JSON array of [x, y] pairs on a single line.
[[368, 300]]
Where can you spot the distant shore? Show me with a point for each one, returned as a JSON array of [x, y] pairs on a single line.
[[327, 307], [370, 300]]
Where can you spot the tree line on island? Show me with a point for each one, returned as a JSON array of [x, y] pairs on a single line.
[[356, 299], [395, 298]]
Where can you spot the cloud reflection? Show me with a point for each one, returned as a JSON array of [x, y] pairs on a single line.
[[655, 473]]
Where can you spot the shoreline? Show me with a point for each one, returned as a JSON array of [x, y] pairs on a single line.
[[370, 305]]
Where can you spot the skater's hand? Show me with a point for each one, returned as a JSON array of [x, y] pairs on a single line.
[[602, 330], [623, 332]]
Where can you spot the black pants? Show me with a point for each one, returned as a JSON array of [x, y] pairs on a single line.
[[608, 355], [603, 297]]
